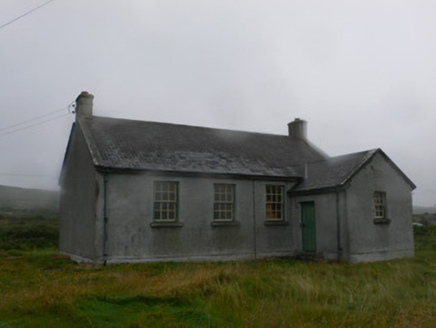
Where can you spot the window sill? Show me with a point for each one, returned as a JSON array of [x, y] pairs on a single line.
[[382, 221], [276, 223], [166, 225], [225, 223]]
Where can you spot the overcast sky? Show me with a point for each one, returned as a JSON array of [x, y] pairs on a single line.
[[362, 73]]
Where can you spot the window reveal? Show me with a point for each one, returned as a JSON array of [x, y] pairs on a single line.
[[380, 204], [165, 201], [274, 202], [224, 202]]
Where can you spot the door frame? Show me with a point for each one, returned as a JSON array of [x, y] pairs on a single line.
[[308, 226]]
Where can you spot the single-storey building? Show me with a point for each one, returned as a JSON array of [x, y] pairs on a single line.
[[135, 191]]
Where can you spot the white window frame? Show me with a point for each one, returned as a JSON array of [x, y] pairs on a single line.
[[275, 202], [224, 195], [166, 199], [380, 208]]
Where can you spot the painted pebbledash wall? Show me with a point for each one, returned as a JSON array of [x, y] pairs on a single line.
[[347, 229], [134, 236], [78, 220], [387, 239]]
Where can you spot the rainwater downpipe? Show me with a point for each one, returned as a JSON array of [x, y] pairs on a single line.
[[105, 218], [254, 220], [338, 226]]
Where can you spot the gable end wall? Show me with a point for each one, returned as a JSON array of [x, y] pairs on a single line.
[[78, 195], [368, 240]]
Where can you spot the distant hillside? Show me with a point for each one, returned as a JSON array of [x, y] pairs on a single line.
[[424, 209], [14, 199]]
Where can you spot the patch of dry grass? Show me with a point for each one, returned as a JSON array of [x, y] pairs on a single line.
[[252, 294], [41, 289]]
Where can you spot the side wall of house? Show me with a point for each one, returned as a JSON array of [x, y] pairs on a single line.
[[375, 240], [78, 195], [132, 235], [329, 209]]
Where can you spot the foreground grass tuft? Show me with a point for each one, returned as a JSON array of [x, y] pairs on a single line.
[[39, 288]]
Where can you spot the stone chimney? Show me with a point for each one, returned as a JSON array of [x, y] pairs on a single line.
[[298, 129], [84, 105]]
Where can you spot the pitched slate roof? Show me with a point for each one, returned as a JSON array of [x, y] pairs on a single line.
[[337, 171], [138, 145]]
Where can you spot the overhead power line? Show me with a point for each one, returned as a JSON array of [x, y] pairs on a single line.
[[34, 119], [33, 125], [37, 121], [26, 13], [28, 175]]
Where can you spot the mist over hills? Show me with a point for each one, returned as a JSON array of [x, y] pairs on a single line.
[[15, 199], [424, 209]]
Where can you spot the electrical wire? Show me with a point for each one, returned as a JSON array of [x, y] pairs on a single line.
[[25, 14], [27, 175], [33, 125], [36, 118]]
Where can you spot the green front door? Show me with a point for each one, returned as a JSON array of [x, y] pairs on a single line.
[[308, 226]]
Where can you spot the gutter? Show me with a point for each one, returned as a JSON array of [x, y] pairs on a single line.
[[306, 192], [126, 170]]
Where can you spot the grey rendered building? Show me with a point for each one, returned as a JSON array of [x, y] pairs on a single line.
[[135, 191]]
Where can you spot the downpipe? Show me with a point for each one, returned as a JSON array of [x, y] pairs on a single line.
[[105, 218], [254, 221], [338, 226]]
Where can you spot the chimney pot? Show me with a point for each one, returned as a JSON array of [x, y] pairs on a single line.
[[298, 129], [84, 104]]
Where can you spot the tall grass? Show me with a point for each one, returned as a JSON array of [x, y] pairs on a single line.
[[28, 231], [39, 288]]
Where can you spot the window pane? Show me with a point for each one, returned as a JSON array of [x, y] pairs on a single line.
[[274, 202], [165, 197], [223, 201], [379, 204]]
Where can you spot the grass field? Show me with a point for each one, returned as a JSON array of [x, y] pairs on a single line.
[[39, 288]]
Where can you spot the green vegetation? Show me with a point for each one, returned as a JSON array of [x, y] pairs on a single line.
[[425, 218], [39, 288], [28, 232]]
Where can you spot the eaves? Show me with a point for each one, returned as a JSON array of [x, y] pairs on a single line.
[[138, 171]]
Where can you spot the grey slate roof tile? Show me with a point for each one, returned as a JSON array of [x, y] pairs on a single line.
[[128, 144], [333, 171]]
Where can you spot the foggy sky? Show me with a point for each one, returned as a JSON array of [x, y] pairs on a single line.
[[362, 73]]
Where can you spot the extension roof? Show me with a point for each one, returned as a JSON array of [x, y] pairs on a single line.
[[336, 172], [121, 144]]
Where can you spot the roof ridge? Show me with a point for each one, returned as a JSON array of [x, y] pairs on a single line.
[[193, 126], [369, 155], [344, 155]]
